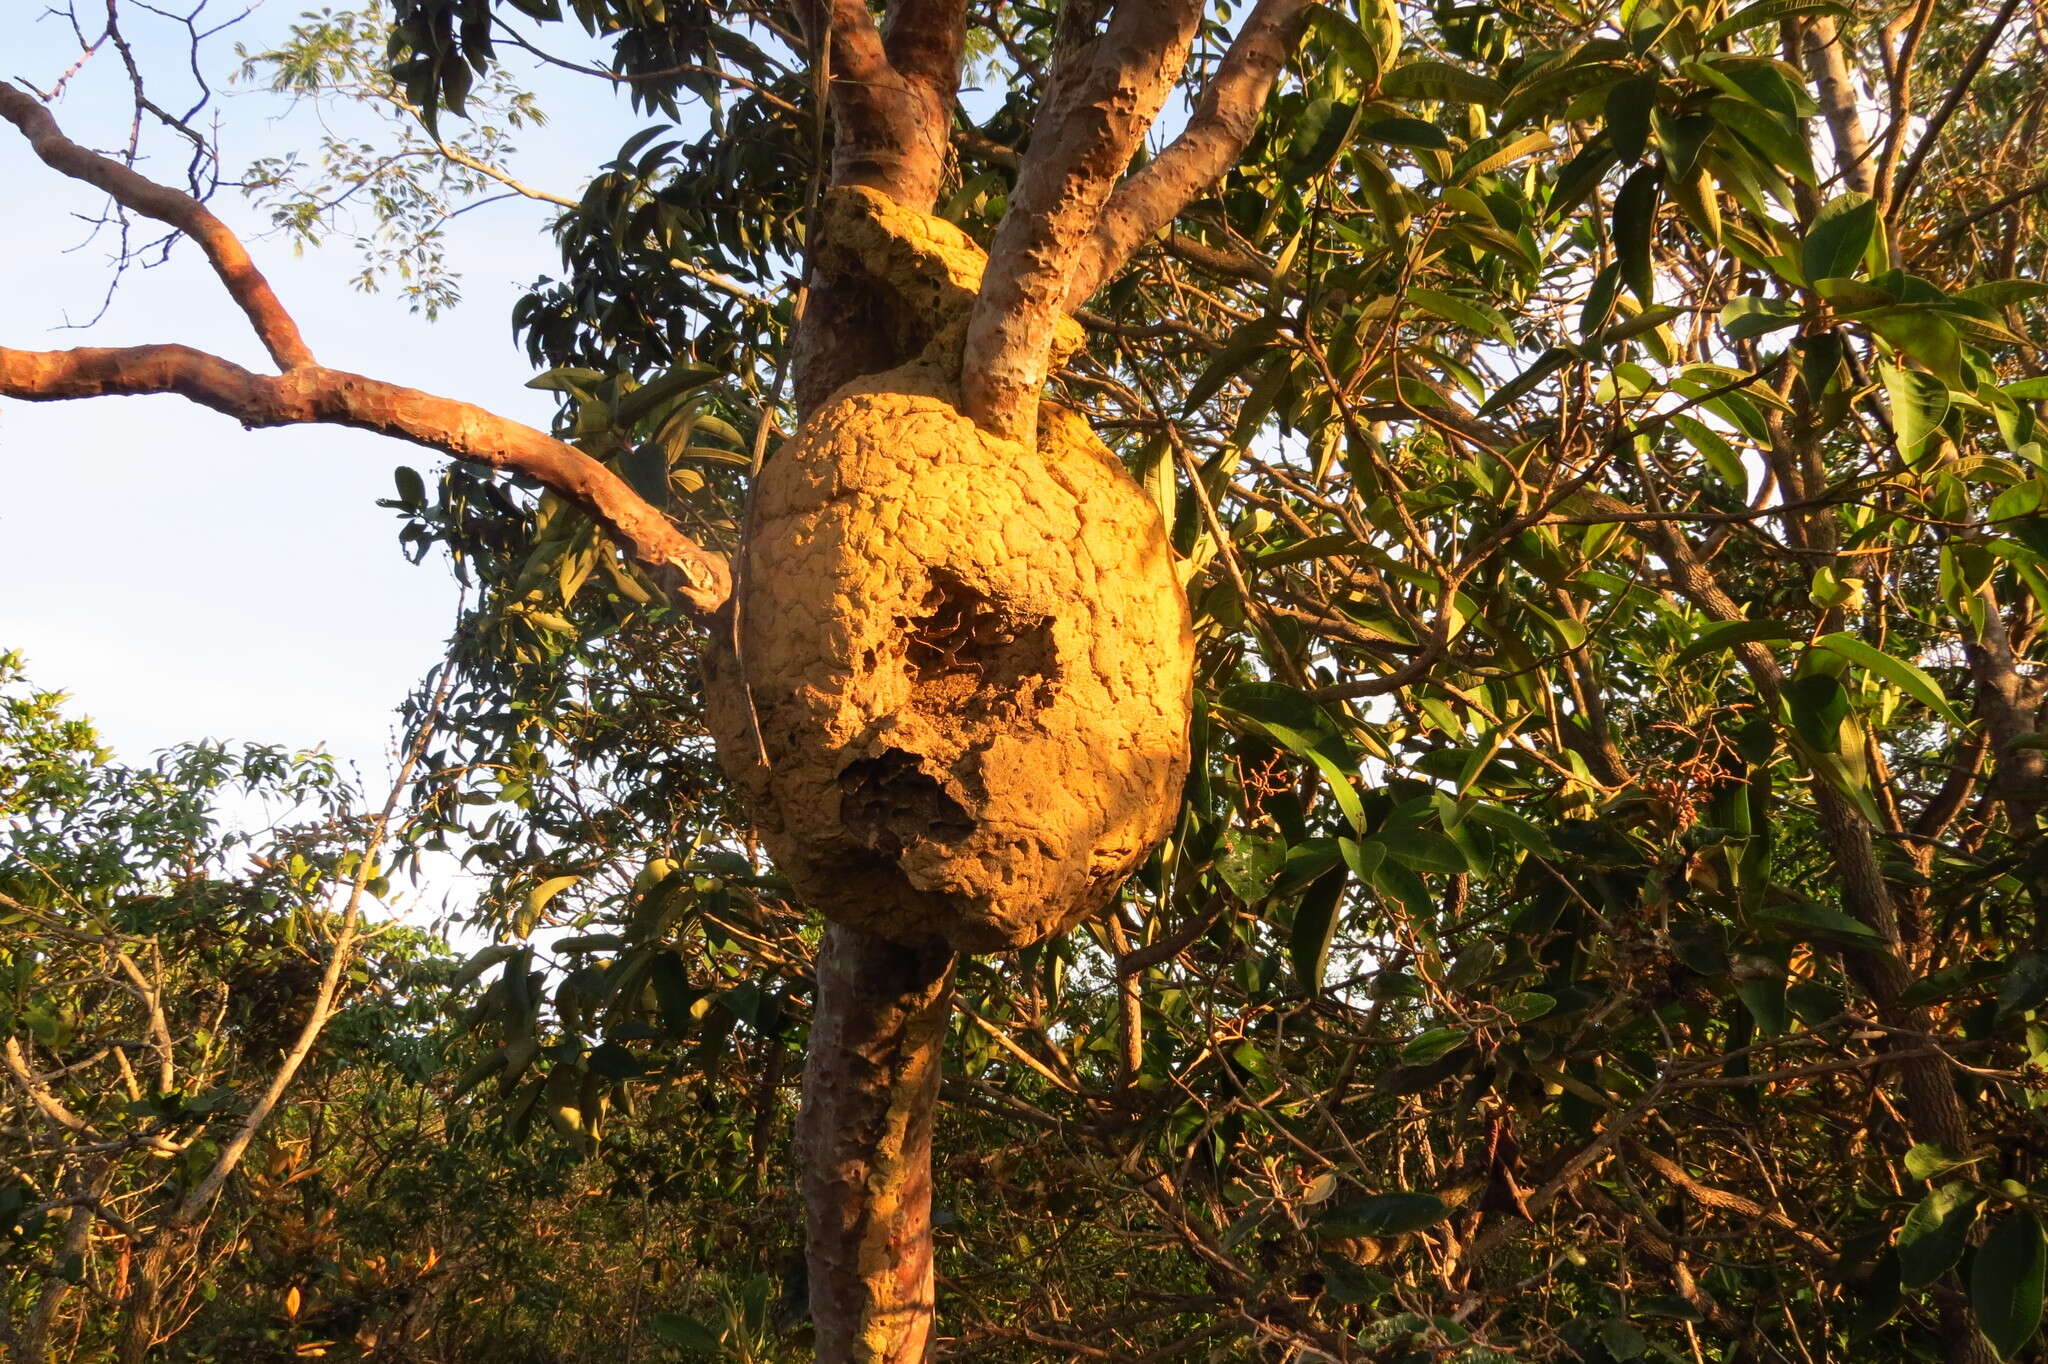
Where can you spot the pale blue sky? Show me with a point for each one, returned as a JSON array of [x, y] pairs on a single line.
[[180, 576]]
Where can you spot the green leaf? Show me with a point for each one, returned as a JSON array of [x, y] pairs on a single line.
[[1818, 704], [2025, 985], [1623, 1340], [1901, 674], [685, 1333], [1475, 317], [483, 961], [1425, 78], [1726, 634], [412, 489], [1919, 405], [1249, 863], [1750, 316], [1635, 219], [1486, 161], [1767, 12], [1431, 1045], [1547, 364], [2006, 1281], [1407, 132], [1388, 1214], [1245, 346], [673, 993], [1934, 1232], [1804, 922], [1930, 1160], [1921, 336], [1842, 231], [1629, 105], [1315, 924], [537, 902]]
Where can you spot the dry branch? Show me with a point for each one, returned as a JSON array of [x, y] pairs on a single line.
[[314, 394], [224, 251]]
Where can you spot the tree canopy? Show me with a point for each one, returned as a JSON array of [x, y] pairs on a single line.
[[1605, 915]]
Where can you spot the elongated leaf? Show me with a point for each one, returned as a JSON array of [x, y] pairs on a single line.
[[1842, 231], [1929, 1160], [1933, 1235], [1486, 162], [1407, 132], [1635, 220], [1767, 12], [1387, 1214], [1901, 674], [1629, 105], [1472, 316], [1919, 405], [1726, 634], [2006, 1282], [1426, 78], [1315, 925]]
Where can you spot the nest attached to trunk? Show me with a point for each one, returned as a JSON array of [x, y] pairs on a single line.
[[959, 703]]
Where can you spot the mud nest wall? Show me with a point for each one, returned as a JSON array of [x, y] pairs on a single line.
[[969, 668]]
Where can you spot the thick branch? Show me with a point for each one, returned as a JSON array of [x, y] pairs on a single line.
[[1101, 104], [1207, 148], [1835, 89], [864, 1143], [313, 394], [924, 40], [889, 130], [174, 207]]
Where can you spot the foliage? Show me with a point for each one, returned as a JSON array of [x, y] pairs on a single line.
[[1605, 919]]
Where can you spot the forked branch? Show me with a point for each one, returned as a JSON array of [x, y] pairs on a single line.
[[132, 190], [1215, 137], [1102, 102], [306, 392]]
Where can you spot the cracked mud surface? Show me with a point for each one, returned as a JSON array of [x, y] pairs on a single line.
[[970, 664]]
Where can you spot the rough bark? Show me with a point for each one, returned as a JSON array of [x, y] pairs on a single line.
[[311, 393], [1215, 137], [1102, 101], [1835, 90], [890, 93], [871, 1083], [2009, 703]]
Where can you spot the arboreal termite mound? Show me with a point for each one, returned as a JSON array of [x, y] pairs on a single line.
[[957, 701]]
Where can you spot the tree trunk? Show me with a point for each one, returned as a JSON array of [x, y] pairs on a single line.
[[142, 1308], [864, 1144]]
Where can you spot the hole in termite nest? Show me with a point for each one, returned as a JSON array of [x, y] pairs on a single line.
[[965, 645], [890, 801]]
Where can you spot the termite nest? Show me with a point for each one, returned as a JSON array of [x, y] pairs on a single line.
[[958, 702]]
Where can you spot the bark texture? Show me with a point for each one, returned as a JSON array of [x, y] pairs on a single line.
[[230, 260], [1104, 97], [1215, 137], [864, 1144]]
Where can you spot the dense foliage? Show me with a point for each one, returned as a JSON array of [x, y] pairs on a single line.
[[1607, 916]]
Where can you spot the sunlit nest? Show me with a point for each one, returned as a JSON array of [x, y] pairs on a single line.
[[969, 667]]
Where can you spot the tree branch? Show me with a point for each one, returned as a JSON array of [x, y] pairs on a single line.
[[924, 39], [1215, 137], [313, 394], [890, 129], [1102, 101], [132, 190]]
